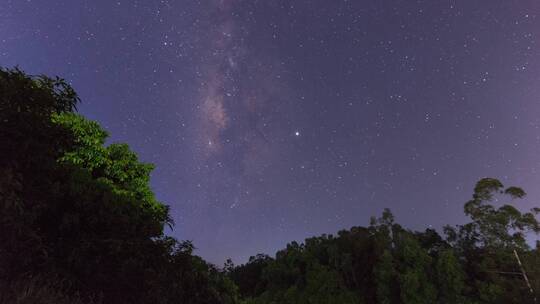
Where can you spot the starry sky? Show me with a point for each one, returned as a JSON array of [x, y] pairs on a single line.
[[272, 121]]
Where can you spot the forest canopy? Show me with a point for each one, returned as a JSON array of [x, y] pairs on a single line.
[[386, 263], [79, 223]]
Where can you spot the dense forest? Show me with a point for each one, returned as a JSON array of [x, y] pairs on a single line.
[[80, 224]]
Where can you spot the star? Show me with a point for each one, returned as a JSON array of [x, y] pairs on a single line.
[[297, 133]]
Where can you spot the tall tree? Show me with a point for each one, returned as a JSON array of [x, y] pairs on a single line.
[[488, 242]]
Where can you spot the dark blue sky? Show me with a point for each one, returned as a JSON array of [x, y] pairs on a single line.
[[271, 121]]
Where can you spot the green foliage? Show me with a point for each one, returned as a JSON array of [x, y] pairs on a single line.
[[114, 165], [249, 278], [387, 264], [413, 271], [449, 278], [75, 209], [385, 279], [499, 227]]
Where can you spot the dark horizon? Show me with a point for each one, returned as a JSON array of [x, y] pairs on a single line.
[[272, 122]]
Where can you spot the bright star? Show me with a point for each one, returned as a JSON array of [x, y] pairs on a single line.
[[297, 133]]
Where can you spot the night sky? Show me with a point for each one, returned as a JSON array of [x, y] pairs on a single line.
[[271, 121]]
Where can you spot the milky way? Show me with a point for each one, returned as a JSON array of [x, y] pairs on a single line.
[[271, 121], [234, 96]]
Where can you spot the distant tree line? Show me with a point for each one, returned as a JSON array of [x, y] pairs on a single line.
[[388, 264], [80, 224]]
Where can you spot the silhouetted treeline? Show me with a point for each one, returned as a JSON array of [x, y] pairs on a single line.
[[385, 263], [80, 224]]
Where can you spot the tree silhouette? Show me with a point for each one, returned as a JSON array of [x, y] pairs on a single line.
[[77, 211]]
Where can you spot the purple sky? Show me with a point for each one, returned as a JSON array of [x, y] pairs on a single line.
[[271, 121]]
